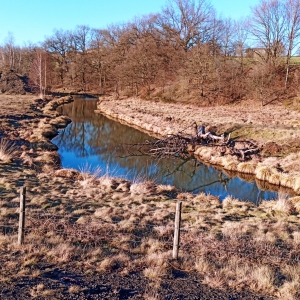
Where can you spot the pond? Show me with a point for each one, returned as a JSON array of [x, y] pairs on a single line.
[[94, 140]]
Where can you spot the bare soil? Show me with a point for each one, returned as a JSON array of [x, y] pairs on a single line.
[[115, 286]]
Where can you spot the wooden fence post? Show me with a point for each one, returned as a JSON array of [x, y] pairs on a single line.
[[177, 230], [22, 215]]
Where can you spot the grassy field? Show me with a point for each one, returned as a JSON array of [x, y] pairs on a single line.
[[97, 224], [295, 60], [89, 225]]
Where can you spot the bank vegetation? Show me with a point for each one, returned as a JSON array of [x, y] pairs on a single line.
[[85, 231]]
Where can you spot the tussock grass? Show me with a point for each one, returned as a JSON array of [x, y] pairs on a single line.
[[152, 295], [296, 203], [291, 162], [229, 201], [89, 175], [263, 172], [113, 262], [282, 204], [230, 163], [262, 279], [147, 187], [69, 173], [204, 153], [7, 150], [27, 159], [246, 167]]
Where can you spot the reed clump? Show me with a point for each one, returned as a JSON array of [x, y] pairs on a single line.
[[7, 150]]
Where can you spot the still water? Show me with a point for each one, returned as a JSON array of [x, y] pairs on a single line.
[[96, 141]]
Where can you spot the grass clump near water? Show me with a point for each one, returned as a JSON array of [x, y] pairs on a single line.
[[7, 150]]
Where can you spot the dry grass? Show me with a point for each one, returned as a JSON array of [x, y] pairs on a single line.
[[147, 187], [246, 167], [262, 279], [7, 150], [98, 224], [89, 175], [263, 172], [134, 231], [284, 204], [262, 122]]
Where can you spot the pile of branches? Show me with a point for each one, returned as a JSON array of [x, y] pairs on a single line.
[[172, 145], [178, 144]]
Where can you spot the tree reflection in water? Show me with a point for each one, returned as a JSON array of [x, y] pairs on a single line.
[[99, 142]]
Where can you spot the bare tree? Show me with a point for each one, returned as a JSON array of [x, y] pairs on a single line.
[[10, 46], [292, 12], [59, 45], [8, 52], [39, 71], [186, 22], [98, 60], [268, 27], [81, 41]]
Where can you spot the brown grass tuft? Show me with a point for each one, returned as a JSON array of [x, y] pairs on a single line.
[[147, 187], [288, 180], [229, 201], [113, 262], [89, 175], [284, 204], [262, 279], [7, 150], [263, 172], [246, 167], [62, 252], [230, 163], [69, 173], [296, 203]]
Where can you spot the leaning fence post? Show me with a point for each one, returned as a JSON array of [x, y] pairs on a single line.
[[177, 230], [22, 215]]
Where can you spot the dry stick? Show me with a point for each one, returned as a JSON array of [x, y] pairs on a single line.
[[177, 230], [22, 215]]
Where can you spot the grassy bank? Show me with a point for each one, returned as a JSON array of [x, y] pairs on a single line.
[[87, 225], [275, 129]]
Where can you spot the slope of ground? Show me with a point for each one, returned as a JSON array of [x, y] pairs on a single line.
[[11, 83]]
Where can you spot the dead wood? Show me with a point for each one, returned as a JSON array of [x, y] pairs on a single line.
[[177, 144]]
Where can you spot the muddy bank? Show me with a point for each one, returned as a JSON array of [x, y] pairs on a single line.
[[275, 131]]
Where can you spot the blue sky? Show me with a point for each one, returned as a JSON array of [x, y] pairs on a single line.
[[33, 20]]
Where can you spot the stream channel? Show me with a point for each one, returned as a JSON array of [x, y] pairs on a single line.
[[93, 140]]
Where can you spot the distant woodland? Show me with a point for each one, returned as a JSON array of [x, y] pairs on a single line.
[[186, 52]]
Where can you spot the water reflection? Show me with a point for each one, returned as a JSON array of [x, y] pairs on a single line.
[[98, 141]]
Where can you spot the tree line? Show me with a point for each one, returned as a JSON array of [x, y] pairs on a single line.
[[184, 52]]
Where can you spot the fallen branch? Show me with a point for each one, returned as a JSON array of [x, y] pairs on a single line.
[[177, 144]]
